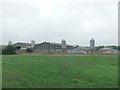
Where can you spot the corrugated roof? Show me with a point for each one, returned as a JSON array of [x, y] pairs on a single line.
[[82, 48], [106, 49], [51, 43]]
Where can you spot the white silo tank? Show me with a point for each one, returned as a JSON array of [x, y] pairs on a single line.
[[92, 43], [9, 42], [32, 43], [63, 46]]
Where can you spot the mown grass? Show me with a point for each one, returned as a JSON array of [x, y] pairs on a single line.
[[34, 71]]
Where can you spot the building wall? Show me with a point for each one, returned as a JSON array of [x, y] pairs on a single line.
[[77, 51], [110, 51], [69, 47], [49, 47], [46, 46]]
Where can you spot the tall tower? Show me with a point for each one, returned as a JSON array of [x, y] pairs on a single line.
[[9, 43], [92, 44], [32, 43], [63, 46]]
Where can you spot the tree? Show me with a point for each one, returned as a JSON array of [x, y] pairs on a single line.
[[10, 49], [99, 47]]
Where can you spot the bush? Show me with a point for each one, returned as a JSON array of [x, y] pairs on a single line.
[[10, 49], [99, 47]]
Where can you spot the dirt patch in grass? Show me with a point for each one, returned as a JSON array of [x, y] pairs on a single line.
[[13, 76]]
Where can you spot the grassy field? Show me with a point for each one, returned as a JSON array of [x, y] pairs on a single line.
[[34, 71]]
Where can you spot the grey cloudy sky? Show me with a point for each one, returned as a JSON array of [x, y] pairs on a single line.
[[54, 20]]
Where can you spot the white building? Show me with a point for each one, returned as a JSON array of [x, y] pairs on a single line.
[[32, 44], [109, 51], [63, 46]]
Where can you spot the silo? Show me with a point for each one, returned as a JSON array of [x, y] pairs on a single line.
[[32, 43], [92, 44], [9, 43], [63, 45]]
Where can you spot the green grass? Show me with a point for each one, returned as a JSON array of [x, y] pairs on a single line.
[[34, 71]]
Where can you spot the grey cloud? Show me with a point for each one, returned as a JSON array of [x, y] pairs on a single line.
[[75, 22]]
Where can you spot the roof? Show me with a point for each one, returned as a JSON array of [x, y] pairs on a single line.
[[106, 49], [52, 43], [19, 43], [81, 48]]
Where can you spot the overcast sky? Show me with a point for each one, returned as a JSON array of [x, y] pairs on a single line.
[[53, 20]]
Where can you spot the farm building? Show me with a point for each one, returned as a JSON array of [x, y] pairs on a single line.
[[23, 46], [79, 50], [51, 46], [44, 46], [109, 51]]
